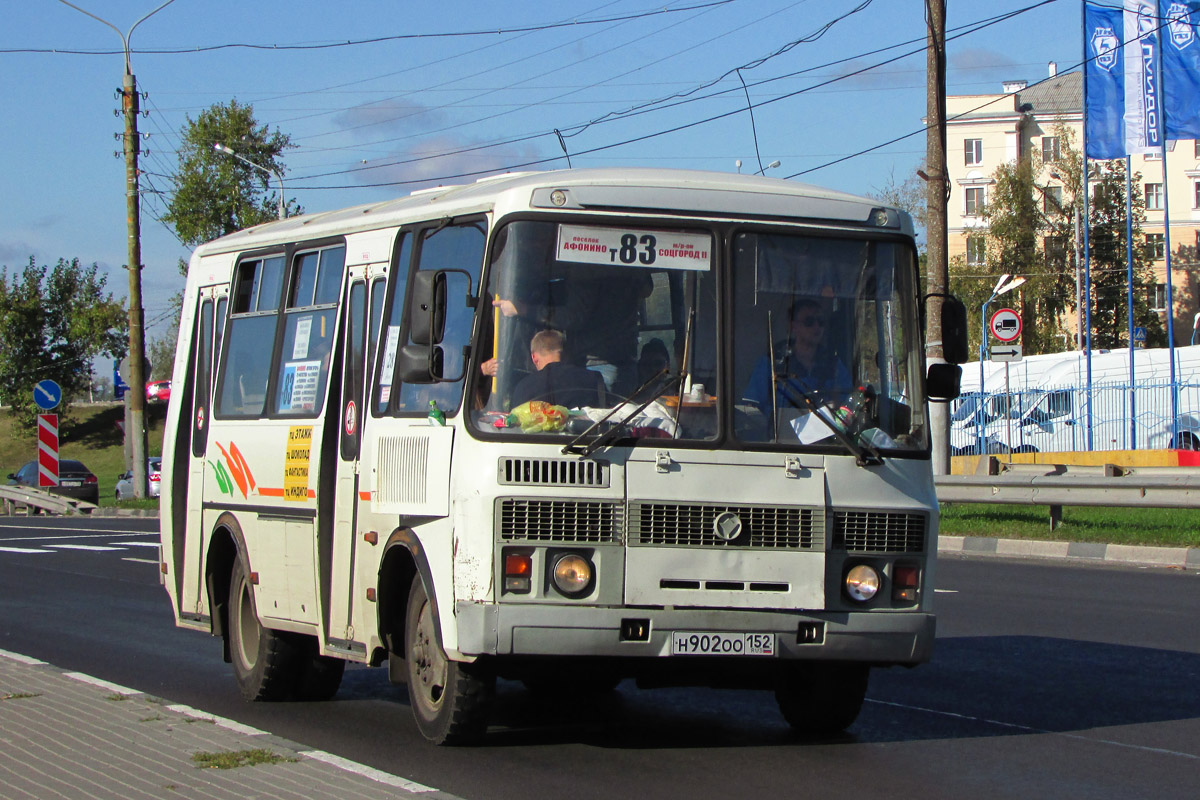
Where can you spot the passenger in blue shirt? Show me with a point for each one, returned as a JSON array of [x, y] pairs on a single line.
[[804, 365]]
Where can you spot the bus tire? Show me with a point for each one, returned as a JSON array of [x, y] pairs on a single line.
[[450, 699], [320, 676], [822, 699], [264, 661]]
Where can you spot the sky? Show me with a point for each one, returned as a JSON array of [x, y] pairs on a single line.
[[381, 98]]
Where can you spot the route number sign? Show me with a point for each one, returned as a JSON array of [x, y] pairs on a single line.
[[1005, 325]]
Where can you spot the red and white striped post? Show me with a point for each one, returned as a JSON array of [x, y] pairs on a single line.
[[47, 449]]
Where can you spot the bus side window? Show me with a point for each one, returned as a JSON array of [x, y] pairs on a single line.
[[202, 377], [246, 360], [455, 247], [356, 312], [302, 371]]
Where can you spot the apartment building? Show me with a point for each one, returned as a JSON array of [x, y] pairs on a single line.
[[985, 131]]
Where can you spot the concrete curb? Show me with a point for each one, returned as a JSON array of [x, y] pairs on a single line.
[[1082, 552]]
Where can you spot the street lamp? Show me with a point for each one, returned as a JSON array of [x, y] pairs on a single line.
[[220, 148], [136, 429], [772, 165], [1003, 286]]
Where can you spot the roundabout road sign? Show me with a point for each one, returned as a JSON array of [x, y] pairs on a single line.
[[1005, 325]]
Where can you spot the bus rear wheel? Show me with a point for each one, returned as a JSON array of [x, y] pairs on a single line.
[[265, 662], [450, 699], [822, 699]]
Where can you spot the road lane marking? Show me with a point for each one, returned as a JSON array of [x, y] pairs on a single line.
[[141, 560], [110, 534], [81, 547], [1040, 731], [23, 550], [945, 591], [137, 544]]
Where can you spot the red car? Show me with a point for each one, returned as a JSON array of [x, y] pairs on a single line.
[[158, 391]]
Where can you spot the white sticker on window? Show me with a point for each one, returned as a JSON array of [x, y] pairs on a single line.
[[303, 334], [300, 385], [389, 355], [634, 247]]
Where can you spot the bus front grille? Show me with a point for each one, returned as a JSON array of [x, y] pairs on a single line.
[[541, 520], [552, 472], [692, 525], [878, 532]]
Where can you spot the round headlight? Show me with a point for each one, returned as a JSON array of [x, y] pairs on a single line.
[[572, 574], [862, 583]]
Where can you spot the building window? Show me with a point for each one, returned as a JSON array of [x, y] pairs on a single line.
[[1153, 155], [976, 250], [1156, 245], [1052, 199], [1159, 300], [1051, 149], [1055, 250], [1196, 186], [1196, 145], [975, 198], [1154, 196], [974, 152]]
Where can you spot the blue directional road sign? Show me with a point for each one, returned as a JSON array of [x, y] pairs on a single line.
[[47, 394]]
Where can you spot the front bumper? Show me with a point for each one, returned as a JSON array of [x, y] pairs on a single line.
[[555, 630]]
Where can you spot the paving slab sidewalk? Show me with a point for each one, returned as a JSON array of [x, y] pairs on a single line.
[[68, 735]]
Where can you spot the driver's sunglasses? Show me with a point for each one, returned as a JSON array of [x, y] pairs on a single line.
[[811, 322]]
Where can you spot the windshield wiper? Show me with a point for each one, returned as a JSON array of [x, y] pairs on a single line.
[[865, 455], [573, 447]]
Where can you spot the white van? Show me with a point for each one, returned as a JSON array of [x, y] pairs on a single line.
[[1125, 414]]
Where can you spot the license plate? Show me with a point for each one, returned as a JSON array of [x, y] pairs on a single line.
[[696, 643], [70, 483]]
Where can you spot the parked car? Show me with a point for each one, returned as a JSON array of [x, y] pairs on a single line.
[[158, 391], [153, 475], [74, 480]]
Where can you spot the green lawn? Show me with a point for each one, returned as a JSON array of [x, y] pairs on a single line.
[[1173, 527], [91, 436]]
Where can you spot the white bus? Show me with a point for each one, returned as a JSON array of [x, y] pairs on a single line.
[[366, 461]]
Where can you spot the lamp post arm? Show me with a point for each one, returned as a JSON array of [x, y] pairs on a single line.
[[124, 36]]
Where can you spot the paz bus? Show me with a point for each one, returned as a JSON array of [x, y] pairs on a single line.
[[358, 469]]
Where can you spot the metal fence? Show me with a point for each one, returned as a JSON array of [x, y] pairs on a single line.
[[1123, 416]]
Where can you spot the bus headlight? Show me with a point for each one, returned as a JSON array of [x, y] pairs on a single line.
[[572, 574], [862, 583]]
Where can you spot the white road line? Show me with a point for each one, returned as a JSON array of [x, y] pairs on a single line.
[[141, 560], [1037, 731], [945, 591], [81, 547], [112, 687], [137, 544], [110, 534], [23, 550]]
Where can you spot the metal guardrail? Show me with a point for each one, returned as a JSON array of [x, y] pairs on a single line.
[[13, 496], [1058, 485]]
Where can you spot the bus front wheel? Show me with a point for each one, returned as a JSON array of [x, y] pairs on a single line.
[[265, 662], [449, 699], [822, 699]]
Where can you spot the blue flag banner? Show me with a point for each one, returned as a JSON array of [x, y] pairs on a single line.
[[1104, 36], [1181, 67], [1143, 81]]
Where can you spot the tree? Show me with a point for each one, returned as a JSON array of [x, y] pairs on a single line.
[[215, 193], [53, 322]]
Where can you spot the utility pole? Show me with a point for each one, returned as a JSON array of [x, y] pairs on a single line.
[[136, 427], [938, 188]]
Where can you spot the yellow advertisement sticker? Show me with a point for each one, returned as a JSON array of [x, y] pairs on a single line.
[[295, 463]]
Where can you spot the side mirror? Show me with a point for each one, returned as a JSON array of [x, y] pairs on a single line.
[[954, 327], [428, 307], [420, 363], [942, 382]]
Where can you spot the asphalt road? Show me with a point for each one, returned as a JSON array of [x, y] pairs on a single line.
[[1048, 679]]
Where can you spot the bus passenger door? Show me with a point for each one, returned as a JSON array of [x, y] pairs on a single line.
[[209, 319], [340, 633]]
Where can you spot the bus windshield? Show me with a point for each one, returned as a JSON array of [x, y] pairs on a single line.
[[591, 327]]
